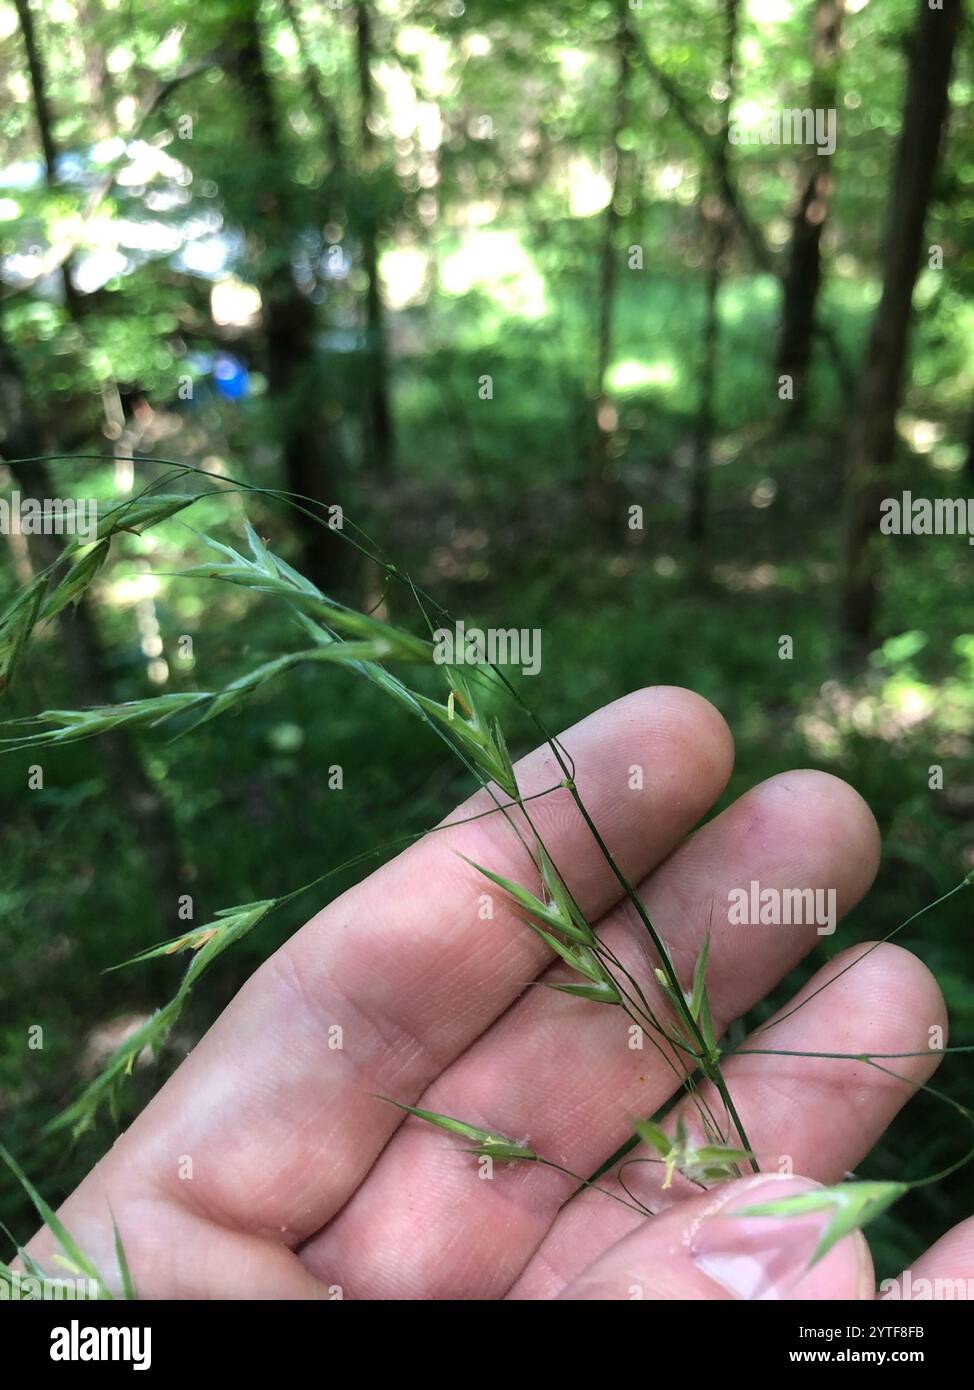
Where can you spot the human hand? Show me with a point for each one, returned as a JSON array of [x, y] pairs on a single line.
[[268, 1168]]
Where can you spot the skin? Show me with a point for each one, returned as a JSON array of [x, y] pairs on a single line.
[[305, 1185]]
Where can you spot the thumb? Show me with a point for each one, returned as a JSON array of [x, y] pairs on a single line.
[[703, 1248]]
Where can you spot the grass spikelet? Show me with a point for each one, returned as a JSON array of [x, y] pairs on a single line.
[[16, 626], [105, 1088], [853, 1206], [267, 574], [229, 925], [76, 581], [73, 725], [137, 514], [553, 913], [486, 1143], [701, 1163], [480, 739]]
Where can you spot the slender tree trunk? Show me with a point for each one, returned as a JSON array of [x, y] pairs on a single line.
[[377, 423], [751, 234], [703, 433], [143, 803], [873, 440], [326, 110], [294, 378], [605, 414], [719, 236], [45, 129], [100, 84], [803, 277]]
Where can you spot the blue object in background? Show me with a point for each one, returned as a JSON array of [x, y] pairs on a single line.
[[230, 376]]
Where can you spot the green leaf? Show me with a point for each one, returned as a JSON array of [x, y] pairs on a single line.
[[854, 1205], [128, 1285], [26, 1259], [53, 1222]]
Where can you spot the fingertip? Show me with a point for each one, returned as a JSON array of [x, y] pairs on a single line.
[[826, 821], [896, 989], [689, 720], [777, 1256]]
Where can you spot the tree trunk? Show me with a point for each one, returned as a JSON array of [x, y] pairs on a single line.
[[605, 415], [803, 277], [101, 87], [144, 806], [326, 111], [45, 129], [378, 432], [719, 237], [873, 440], [699, 512], [750, 232], [293, 373]]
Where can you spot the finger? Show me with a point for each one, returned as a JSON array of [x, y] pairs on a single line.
[[279, 1124], [944, 1273], [563, 1072], [818, 1116], [705, 1249]]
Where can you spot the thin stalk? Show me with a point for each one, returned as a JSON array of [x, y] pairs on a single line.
[[635, 1205], [964, 883], [707, 1065]]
